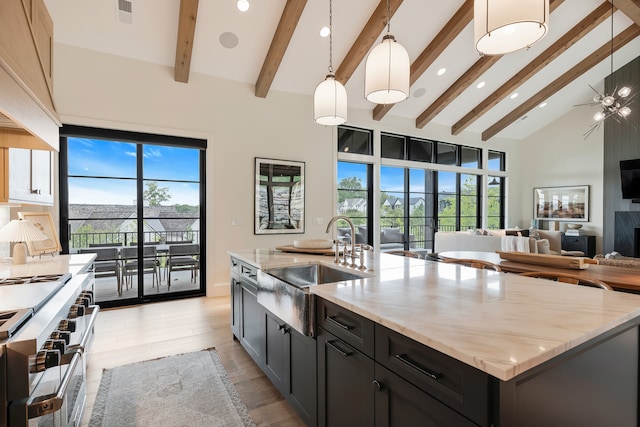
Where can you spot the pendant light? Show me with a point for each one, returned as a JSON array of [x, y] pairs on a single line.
[[503, 26], [387, 70], [330, 96], [616, 104]]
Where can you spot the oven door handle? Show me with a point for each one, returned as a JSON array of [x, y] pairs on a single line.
[[50, 403], [84, 343]]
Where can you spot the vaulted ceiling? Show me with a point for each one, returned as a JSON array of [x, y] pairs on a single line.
[[276, 46]]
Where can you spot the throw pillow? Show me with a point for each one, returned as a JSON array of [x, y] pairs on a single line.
[[517, 232], [533, 232], [543, 246]]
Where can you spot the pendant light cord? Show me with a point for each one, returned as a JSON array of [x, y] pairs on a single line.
[[611, 36], [388, 17], [330, 37]]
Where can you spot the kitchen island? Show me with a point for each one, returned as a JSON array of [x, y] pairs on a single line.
[[550, 353]]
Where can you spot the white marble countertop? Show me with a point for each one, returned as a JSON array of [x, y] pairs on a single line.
[[47, 264], [500, 323]]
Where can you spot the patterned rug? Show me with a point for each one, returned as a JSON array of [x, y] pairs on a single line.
[[189, 389]]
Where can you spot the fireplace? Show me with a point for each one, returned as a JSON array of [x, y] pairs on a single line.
[[626, 239]]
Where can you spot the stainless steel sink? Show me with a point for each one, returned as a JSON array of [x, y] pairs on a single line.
[[285, 291], [303, 276]]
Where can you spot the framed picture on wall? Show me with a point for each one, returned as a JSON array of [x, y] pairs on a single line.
[[43, 222], [561, 203], [279, 197]]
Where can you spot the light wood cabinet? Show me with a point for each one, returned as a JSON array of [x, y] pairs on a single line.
[[26, 71], [27, 177]]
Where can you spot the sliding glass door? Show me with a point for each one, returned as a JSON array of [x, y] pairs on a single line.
[[138, 206]]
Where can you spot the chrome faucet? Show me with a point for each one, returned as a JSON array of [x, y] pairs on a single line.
[[353, 237]]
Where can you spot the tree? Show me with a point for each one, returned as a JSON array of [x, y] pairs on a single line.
[[155, 195], [347, 186]]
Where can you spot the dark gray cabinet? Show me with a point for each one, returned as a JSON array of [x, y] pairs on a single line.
[[586, 244], [287, 357], [345, 383]]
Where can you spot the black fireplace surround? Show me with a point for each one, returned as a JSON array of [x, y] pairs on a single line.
[[627, 233]]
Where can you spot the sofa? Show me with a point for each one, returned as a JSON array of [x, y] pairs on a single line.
[[549, 242], [390, 238]]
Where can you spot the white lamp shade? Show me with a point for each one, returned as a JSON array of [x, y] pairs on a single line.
[[386, 74], [330, 102], [19, 230], [503, 26]]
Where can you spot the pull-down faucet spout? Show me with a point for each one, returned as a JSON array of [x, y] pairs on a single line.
[[353, 233]]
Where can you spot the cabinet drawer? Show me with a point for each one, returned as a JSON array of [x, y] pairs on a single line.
[[573, 243], [454, 383], [354, 329]]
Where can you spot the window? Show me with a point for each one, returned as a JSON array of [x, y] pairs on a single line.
[[496, 161], [141, 195], [392, 146], [354, 199], [495, 207], [354, 140]]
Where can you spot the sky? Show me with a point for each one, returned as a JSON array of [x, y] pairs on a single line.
[[117, 160]]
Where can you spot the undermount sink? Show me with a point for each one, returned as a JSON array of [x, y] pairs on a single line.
[[285, 292], [306, 275]]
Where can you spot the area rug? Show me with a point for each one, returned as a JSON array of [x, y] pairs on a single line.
[[190, 389]]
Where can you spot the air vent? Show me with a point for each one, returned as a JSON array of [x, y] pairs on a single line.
[[124, 11]]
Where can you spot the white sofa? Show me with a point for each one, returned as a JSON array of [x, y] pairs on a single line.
[[465, 241]]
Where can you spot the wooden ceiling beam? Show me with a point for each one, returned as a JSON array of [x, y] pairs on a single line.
[[440, 42], [589, 62], [456, 89], [281, 38], [460, 85], [631, 8], [592, 20], [186, 33], [367, 37]]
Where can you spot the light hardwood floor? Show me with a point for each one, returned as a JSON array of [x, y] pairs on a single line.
[[150, 331]]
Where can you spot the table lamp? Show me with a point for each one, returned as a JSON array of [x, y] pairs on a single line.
[[20, 231]]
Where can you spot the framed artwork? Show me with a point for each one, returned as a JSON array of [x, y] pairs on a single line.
[[279, 197], [44, 222], [561, 203]]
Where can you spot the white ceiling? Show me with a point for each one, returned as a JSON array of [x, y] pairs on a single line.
[[93, 24]]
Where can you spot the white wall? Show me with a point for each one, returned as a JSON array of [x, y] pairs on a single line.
[[559, 155], [107, 91]]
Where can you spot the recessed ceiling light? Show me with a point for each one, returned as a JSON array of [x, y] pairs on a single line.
[[441, 71], [514, 95], [544, 104], [324, 32], [481, 85], [243, 5]]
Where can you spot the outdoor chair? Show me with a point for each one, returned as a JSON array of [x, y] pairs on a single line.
[[150, 263], [183, 258], [106, 264]]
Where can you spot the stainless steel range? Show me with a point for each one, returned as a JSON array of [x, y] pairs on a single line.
[[46, 328]]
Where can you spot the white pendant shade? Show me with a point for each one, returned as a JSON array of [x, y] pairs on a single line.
[[330, 102], [386, 78], [503, 26]]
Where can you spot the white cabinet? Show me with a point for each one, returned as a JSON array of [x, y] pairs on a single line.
[[28, 176]]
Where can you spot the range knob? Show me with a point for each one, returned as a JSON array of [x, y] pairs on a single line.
[[67, 325], [61, 335], [76, 310], [59, 345], [87, 294], [44, 360], [83, 301]]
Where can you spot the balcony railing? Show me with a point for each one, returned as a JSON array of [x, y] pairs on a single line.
[[130, 238]]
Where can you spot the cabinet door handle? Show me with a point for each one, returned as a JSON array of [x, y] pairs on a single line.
[[376, 385], [333, 346], [36, 191], [425, 371], [332, 320]]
